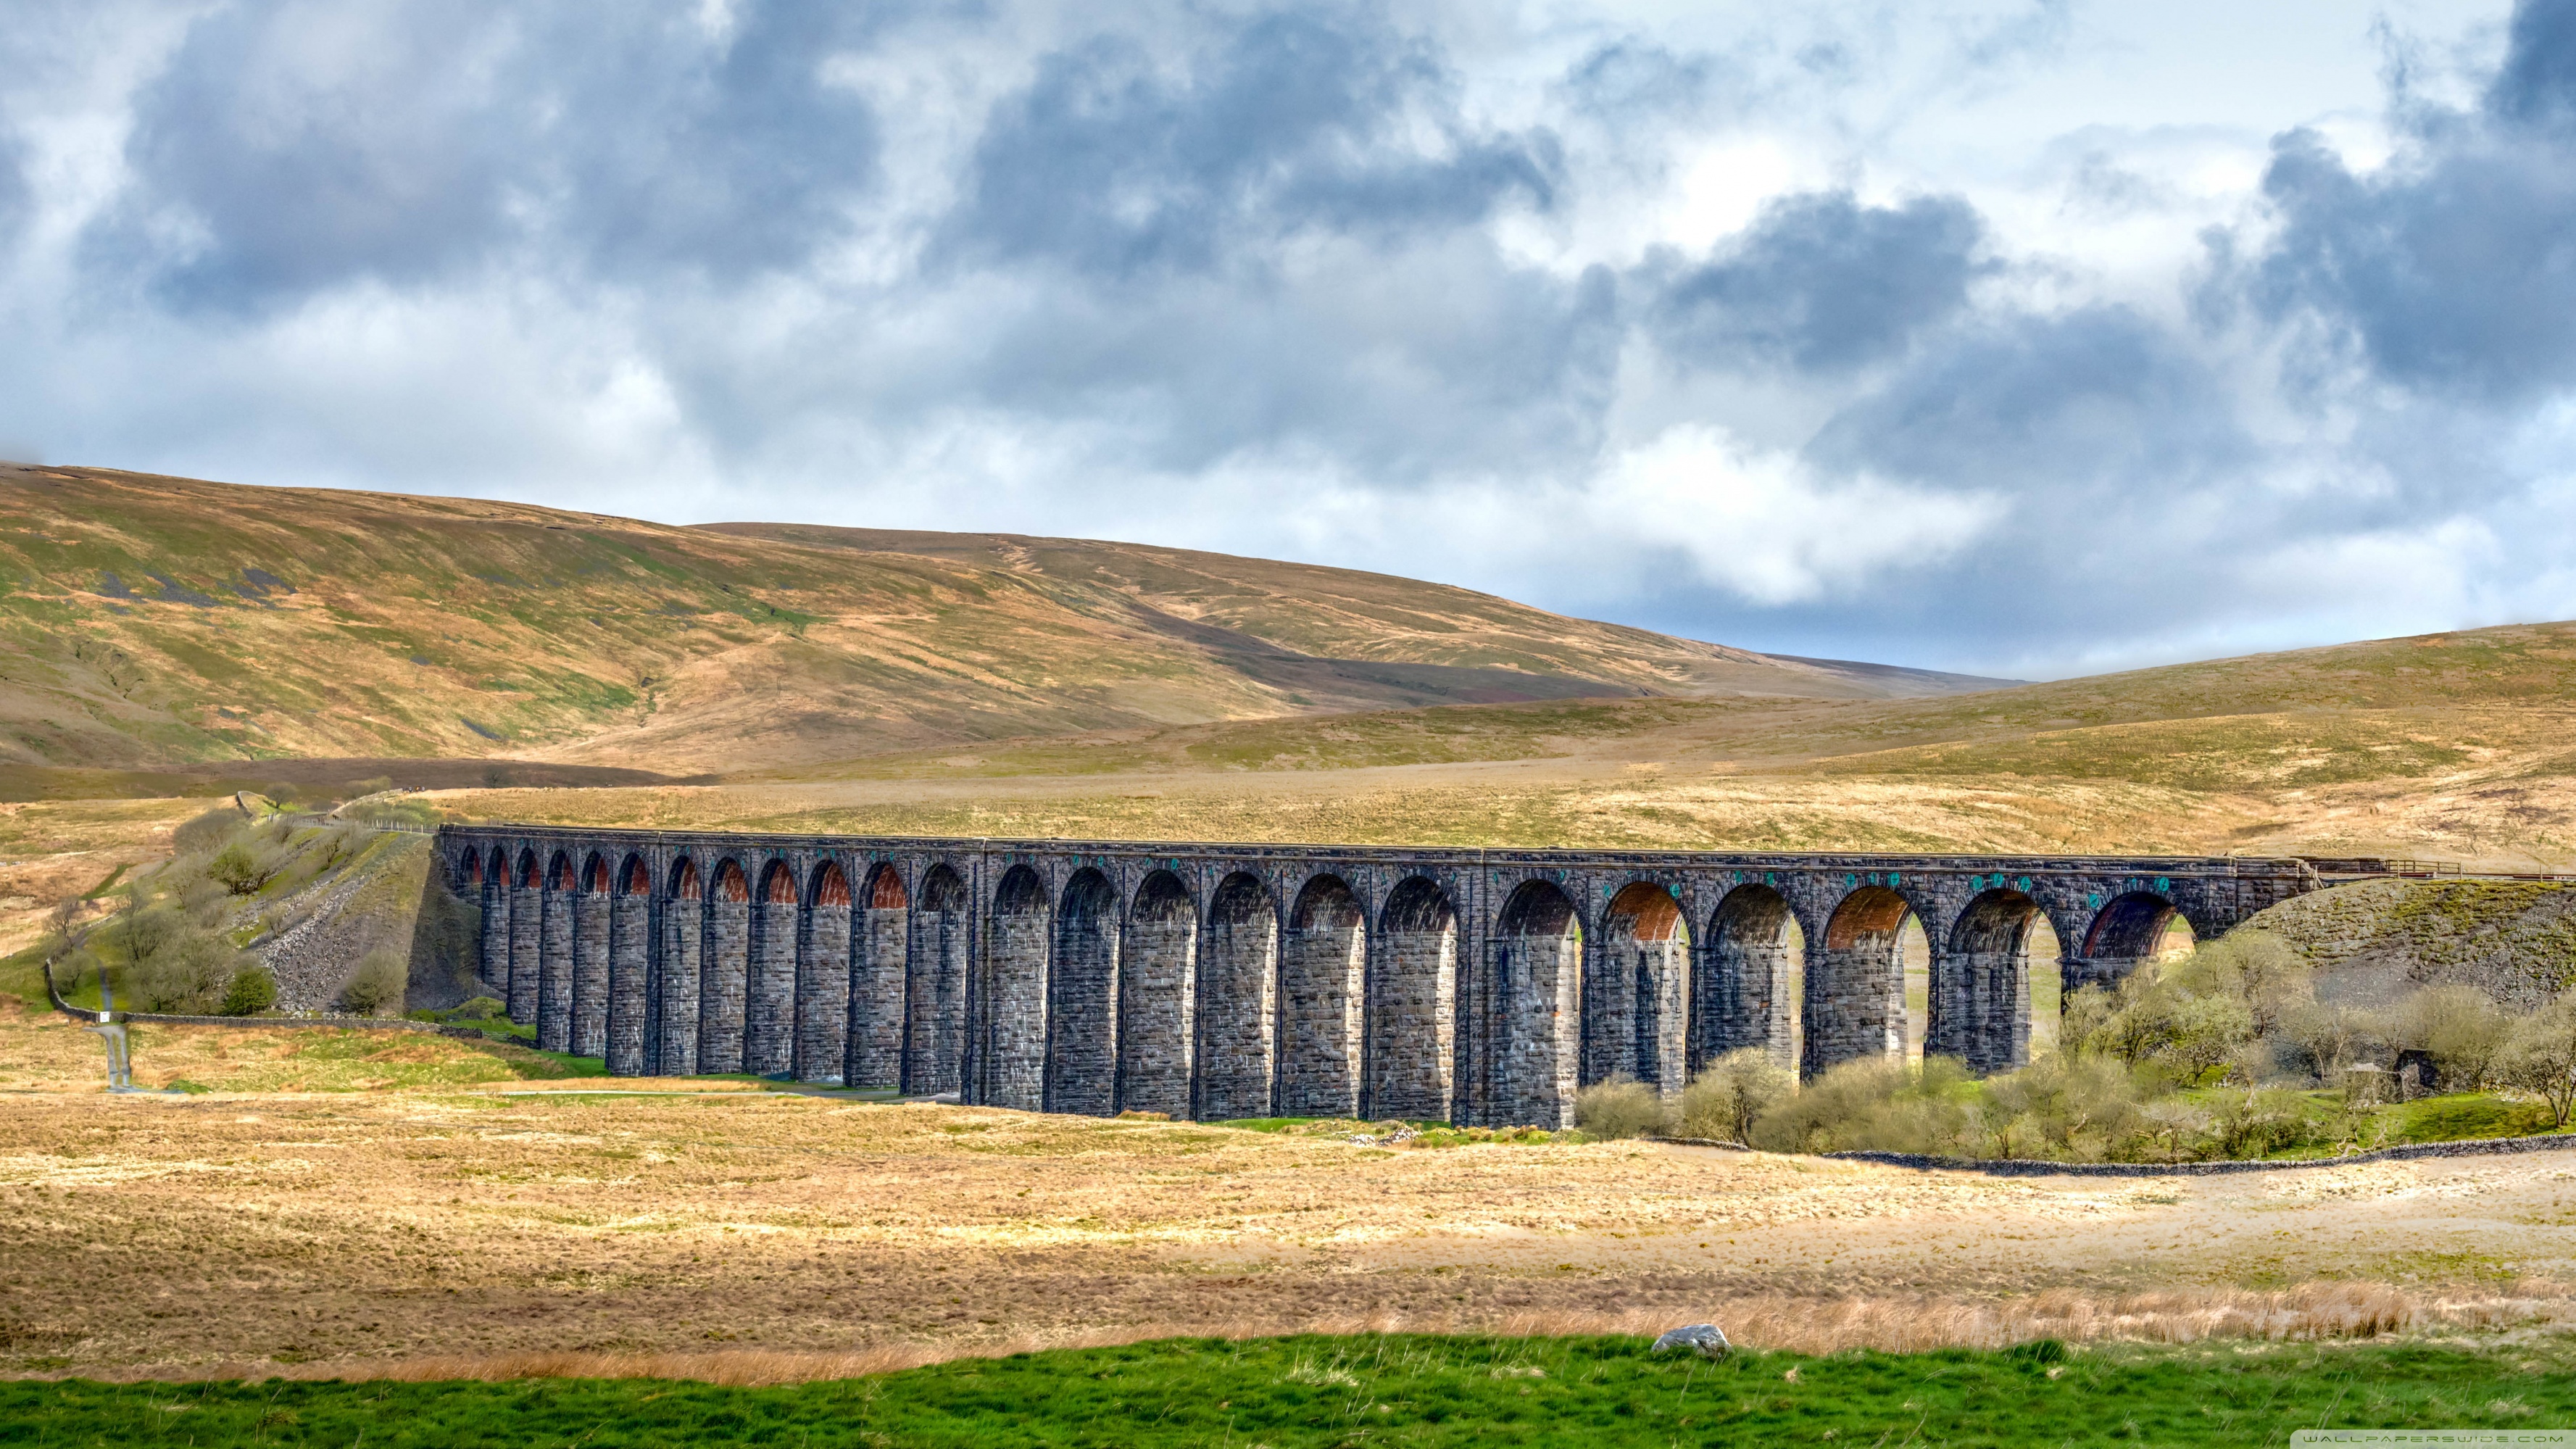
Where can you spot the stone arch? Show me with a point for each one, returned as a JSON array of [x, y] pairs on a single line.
[[492, 931], [630, 968], [588, 1031], [1979, 1007], [823, 976], [684, 931], [1238, 1002], [554, 955], [1747, 992], [1082, 998], [934, 1018], [872, 970], [1534, 1003], [1010, 1001], [527, 931], [724, 969], [1634, 990], [2124, 932], [769, 1005], [465, 874], [1323, 973], [1855, 1005], [1157, 997], [1413, 1005]]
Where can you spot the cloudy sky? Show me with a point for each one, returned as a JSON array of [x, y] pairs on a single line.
[[2028, 339]]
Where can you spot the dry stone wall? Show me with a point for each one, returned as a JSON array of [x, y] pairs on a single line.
[[1483, 987]]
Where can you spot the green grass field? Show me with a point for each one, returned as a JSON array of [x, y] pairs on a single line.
[[1393, 1389]]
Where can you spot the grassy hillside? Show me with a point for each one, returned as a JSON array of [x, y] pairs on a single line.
[[2453, 746], [154, 621], [162, 637]]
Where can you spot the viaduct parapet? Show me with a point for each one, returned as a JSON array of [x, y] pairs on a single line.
[[1481, 987]]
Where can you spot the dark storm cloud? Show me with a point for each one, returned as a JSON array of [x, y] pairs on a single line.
[[1821, 283], [735, 159], [2097, 399], [287, 149], [2537, 83], [2453, 270], [1292, 124]]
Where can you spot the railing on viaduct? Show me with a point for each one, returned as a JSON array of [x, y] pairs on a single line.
[[1223, 981]]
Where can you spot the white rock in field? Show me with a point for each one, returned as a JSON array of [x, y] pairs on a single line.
[[1705, 1339]]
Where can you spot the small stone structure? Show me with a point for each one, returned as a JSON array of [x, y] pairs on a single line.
[[1484, 987]]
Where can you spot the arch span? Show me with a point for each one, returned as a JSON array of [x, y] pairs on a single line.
[[1633, 991], [1157, 988], [769, 1002], [823, 976], [1535, 1003], [1238, 1001], [1010, 1002], [590, 946], [527, 935], [684, 927], [1747, 995], [2130, 928], [1413, 1006], [724, 969], [934, 1019], [493, 930], [554, 955], [630, 969], [1979, 1007], [1855, 1005], [1082, 999], [873, 922], [1322, 975]]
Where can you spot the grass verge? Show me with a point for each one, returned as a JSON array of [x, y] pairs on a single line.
[[1390, 1389]]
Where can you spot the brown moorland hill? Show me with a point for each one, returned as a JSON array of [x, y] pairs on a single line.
[[148, 621], [2455, 746]]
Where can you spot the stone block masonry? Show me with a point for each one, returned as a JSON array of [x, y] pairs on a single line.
[[554, 961], [590, 943], [1222, 981]]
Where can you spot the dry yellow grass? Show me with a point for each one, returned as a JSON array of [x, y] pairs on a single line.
[[752, 1236], [2309, 1312]]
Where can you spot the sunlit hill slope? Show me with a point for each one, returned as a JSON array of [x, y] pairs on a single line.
[[155, 621]]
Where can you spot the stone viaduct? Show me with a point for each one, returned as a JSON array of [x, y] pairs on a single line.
[[1221, 981]]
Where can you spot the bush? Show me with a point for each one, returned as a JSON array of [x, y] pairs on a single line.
[[2458, 1027], [2082, 1109], [244, 866], [376, 987], [186, 974], [480, 1008], [2540, 1056], [1879, 1104], [2256, 1122], [207, 833], [1733, 1092], [253, 990], [1619, 1108], [2331, 1038]]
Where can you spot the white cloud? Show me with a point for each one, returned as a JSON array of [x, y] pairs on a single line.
[[1318, 284]]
